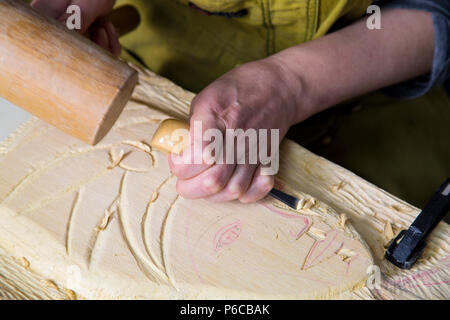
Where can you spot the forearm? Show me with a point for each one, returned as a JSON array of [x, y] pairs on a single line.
[[356, 60]]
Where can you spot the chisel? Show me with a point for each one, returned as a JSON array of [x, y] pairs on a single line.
[[164, 140]]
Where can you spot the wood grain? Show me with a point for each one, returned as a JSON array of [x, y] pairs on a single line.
[[105, 222]]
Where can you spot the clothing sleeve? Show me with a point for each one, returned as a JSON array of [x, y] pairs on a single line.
[[440, 73]]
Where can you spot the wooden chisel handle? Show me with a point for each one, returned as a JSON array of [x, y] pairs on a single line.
[[172, 136], [60, 76]]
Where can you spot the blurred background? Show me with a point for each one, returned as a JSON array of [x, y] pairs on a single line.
[[10, 118]]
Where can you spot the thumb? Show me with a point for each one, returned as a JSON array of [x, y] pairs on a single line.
[[196, 158], [86, 11], [92, 10], [50, 8]]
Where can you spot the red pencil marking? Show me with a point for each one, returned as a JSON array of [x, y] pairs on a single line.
[[307, 223], [340, 247], [349, 262], [420, 278], [310, 258], [227, 235], [282, 213], [306, 220]]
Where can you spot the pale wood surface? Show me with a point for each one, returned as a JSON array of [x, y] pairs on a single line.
[[105, 222], [58, 75]]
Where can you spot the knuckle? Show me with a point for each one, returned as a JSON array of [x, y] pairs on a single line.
[[235, 191], [212, 184], [177, 169], [204, 101]]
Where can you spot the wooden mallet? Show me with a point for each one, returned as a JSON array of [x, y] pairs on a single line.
[[59, 75]]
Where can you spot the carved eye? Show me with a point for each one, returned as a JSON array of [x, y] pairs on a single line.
[[227, 235]]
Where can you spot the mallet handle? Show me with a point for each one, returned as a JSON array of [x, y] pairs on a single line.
[[60, 76]]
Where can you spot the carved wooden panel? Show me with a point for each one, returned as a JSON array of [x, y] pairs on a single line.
[[105, 221]]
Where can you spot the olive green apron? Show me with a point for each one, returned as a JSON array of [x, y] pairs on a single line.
[[193, 50]]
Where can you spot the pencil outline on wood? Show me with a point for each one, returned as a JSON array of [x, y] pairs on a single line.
[[146, 260]]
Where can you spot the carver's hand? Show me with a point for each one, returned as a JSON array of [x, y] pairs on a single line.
[[259, 95], [104, 34]]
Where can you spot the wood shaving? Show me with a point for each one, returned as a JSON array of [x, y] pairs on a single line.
[[346, 252], [155, 196], [300, 204], [311, 202], [140, 145], [400, 209], [342, 220], [25, 263], [105, 221], [71, 295], [317, 233], [388, 233], [50, 284], [336, 187], [116, 160]]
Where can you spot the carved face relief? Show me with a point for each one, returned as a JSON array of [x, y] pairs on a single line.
[[113, 211]]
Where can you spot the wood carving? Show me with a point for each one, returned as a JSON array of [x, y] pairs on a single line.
[[105, 222]]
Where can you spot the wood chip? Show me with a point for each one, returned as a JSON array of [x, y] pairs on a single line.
[[336, 187], [155, 196], [116, 159], [105, 221], [342, 220], [388, 233], [71, 295], [50, 284], [311, 202], [317, 233], [25, 263]]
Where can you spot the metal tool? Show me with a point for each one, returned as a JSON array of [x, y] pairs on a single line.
[[408, 246], [285, 198]]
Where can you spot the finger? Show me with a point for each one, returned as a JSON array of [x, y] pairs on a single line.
[[238, 184], [191, 162], [259, 188], [100, 37], [114, 45], [207, 183], [92, 10], [50, 8]]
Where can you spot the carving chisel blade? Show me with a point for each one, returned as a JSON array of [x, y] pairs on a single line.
[[285, 198]]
